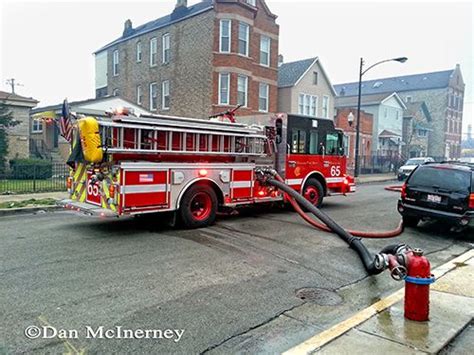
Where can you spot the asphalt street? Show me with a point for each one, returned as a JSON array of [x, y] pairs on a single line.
[[233, 287]]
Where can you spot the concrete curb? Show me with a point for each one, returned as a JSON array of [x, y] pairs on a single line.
[[28, 210], [376, 181]]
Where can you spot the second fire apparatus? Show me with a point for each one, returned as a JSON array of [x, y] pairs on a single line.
[[127, 165]]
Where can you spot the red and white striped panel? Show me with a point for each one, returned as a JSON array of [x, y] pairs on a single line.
[[144, 188], [294, 183], [241, 185]]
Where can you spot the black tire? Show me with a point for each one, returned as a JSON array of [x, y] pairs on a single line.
[[410, 221], [198, 206], [316, 188]]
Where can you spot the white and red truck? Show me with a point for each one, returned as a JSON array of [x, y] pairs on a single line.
[[128, 165]]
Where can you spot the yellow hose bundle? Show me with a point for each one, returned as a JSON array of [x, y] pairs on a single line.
[[90, 139]]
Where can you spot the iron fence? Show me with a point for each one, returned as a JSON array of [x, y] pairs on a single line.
[[377, 164], [30, 178]]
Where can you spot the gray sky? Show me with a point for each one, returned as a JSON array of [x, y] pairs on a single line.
[[47, 45]]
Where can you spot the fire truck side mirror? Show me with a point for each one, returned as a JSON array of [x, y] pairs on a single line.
[[279, 130]]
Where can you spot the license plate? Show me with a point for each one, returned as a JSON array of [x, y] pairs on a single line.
[[433, 198]]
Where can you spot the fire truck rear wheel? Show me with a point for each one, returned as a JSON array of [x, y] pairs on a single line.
[[313, 191], [198, 206]]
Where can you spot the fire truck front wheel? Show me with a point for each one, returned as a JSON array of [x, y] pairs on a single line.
[[313, 191], [198, 206]]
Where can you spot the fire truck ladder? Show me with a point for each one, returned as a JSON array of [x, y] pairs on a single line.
[[152, 134]]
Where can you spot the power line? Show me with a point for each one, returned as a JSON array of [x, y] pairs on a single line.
[[12, 83]]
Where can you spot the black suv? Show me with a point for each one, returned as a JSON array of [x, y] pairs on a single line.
[[442, 191]]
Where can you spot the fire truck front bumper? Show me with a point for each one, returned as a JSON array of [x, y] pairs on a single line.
[[87, 208]]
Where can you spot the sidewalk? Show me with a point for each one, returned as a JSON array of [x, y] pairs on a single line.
[[372, 178], [382, 328], [37, 196]]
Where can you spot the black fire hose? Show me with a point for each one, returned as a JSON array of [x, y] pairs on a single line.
[[373, 264]]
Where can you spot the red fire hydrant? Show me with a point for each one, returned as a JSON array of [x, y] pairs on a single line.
[[417, 286]]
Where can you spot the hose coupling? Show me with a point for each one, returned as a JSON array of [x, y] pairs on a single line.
[[381, 261], [263, 173]]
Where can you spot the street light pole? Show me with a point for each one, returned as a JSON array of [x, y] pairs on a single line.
[[356, 163], [361, 73]]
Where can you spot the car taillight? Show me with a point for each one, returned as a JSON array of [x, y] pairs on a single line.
[[404, 191], [471, 201]]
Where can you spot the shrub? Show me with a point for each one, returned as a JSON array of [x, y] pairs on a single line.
[[31, 169]]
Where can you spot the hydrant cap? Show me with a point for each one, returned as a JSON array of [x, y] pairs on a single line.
[[418, 252]]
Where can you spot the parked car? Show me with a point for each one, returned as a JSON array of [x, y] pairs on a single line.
[[441, 191], [469, 160], [410, 165]]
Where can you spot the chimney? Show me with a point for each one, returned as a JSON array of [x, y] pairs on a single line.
[[127, 28], [181, 3], [280, 59]]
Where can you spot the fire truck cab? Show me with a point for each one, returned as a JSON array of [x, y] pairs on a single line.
[[127, 165]]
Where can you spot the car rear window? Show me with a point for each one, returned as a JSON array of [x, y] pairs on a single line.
[[446, 179]]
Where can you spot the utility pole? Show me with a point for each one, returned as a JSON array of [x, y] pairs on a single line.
[[12, 83]]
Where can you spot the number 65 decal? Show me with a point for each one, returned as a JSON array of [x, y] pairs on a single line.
[[92, 189], [335, 170]]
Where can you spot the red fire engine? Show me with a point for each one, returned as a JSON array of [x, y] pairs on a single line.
[[128, 165]]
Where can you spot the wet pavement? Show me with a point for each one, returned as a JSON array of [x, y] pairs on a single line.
[[232, 287]]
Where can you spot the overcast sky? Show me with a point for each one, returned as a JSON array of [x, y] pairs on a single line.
[[47, 46]]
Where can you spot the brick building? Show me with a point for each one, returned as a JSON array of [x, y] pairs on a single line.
[[443, 93], [18, 135], [365, 139], [198, 60]]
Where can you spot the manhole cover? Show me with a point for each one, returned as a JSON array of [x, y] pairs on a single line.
[[319, 296]]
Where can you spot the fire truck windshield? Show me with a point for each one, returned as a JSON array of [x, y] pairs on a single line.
[[307, 135]]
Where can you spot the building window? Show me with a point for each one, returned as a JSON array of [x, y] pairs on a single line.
[[244, 38], [242, 88], [265, 43], [165, 95], [315, 78], [37, 126], [139, 94], [153, 95], [115, 62], [165, 41], [422, 133], [408, 99], [325, 106], [153, 51], [263, 97], [225, 34], [252, 2], [224, 81], [301, 104], [314, 106], [115, 92], [139, 52], [307, 105]]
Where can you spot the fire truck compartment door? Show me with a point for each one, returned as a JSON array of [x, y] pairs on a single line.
[[242, 184], [143, 188]]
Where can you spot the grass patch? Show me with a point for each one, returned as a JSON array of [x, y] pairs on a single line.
[[32, 202], [28, 186]]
